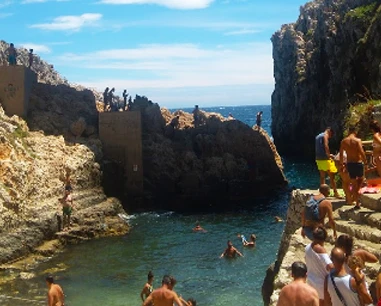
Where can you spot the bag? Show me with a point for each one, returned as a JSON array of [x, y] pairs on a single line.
[[311, 211]]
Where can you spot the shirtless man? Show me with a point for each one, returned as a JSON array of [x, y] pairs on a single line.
[[356, 160], [164, 296], [231, 251], [312, 218], [12, 54], [298, 292], [55, 293]]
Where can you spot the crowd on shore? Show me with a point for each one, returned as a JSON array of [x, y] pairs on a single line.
[[337, 278]]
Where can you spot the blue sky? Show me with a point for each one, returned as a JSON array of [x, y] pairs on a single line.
[[176, 52]]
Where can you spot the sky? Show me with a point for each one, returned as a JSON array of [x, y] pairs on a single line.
[[177, 53]]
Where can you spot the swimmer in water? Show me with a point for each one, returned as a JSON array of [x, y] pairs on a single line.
[[278, 219], [148, 287], [231, 251], [198, 228], [250, 243]]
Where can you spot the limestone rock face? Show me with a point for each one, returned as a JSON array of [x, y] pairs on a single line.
[[219, 159], [32, 168], [322, 63]]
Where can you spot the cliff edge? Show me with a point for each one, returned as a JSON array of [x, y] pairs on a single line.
[[325, 61]]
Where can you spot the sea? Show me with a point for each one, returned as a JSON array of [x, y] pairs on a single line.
[[112, 271]]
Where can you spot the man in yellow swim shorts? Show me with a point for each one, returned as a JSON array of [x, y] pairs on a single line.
[[324, 160]]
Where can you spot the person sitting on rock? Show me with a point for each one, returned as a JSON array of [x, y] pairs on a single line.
[[315, 211], [175, 122]]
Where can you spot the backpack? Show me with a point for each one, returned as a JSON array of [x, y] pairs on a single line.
[[311, 211]]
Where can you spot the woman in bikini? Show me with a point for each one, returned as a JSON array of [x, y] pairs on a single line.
[[376, 128]]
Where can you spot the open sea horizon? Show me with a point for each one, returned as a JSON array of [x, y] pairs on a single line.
[[113, 271]]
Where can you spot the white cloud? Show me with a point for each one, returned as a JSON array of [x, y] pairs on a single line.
[[5, 3], [41, 1], [70, 23], [5, 15], [176, 66], [37, 48], [242, 32], [175, 4]]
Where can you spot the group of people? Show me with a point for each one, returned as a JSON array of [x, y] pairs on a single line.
[[111, 102], [351, 162], [336, 279], [12, 56]]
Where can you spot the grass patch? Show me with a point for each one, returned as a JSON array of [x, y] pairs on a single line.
[[364, 13], [360, 115]]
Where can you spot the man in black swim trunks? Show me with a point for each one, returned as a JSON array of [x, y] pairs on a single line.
[[356, 160]]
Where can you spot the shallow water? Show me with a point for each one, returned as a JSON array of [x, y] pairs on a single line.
[[113, 271]]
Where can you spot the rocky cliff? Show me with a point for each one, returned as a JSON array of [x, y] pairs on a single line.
[[327, 60], [203, 167], [363, 225]]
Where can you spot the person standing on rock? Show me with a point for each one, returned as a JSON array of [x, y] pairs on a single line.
[[340, 286], [12, 55], [324, 160], [318, 262], [105, 98], [259, 120], [30, 58], [356, 161], [125, 95], [67, 207], [298, 292], [196, 116], [55, 293], [315, 211]]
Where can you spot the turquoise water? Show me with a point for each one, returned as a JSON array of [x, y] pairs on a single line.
[[112, 271]]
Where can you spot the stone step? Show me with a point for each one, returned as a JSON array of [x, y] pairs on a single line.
[[371, 201], [359, 231], [364, 215]]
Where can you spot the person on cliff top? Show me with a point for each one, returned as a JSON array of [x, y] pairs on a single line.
[[110, 98], [340, 286], [125, 95], [105, 99], [30, 58], [298, 292], [259, 120], [56, 296], [231, 251], [196, 116], [175, 122], [356, 161], [67, 208], [164, 296], [12, 55], [318, 262], [324, 160], [315, 211], [148, 287]]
